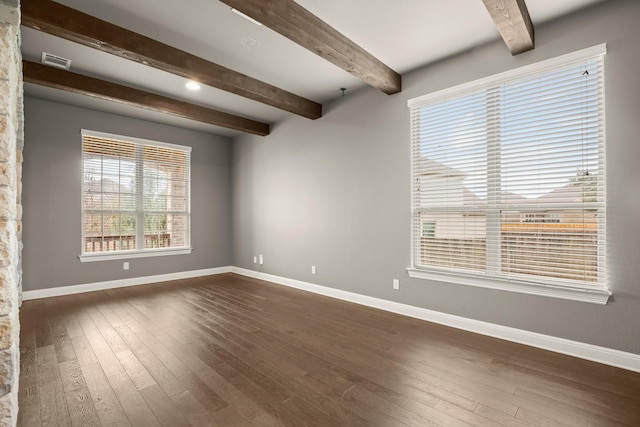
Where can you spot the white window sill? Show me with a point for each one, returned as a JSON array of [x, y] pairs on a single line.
[[595, 296], [109, 256]]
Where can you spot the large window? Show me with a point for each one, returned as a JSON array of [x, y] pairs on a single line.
[[508, 180], [135, 197]]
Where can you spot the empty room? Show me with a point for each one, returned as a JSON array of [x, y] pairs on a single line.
[[319, 213]]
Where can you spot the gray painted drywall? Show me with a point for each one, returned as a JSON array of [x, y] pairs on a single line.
[[52, 188], [335, 192]]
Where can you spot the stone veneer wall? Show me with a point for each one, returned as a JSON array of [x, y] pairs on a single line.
[[11, 142]]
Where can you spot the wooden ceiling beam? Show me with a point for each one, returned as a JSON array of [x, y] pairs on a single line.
[[304, 28], [513, 22], [77, 83], [65, 22]]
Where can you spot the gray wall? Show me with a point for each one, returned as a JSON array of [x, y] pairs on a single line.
[[52, 191], [335, 192]]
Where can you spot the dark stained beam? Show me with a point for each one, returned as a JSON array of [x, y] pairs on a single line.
[[71, 24], [301, 26], [513, 22], [72, 82]]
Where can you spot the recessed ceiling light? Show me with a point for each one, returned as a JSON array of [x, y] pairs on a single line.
[[247, 17], [191, 85]]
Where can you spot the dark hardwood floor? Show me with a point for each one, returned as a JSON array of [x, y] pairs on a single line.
[[227, 350]]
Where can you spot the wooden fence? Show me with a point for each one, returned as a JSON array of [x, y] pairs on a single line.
[[124, 243], [565, 251]]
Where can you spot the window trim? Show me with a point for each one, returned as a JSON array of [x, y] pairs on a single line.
[[595, 295], [115, 255], [598, 294], [136, 253], [589, 52]]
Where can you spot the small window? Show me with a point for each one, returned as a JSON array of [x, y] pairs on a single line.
[[135, 197], [509, 173]]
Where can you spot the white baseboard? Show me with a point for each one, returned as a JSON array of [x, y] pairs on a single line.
[[121, 283], [591, 352]]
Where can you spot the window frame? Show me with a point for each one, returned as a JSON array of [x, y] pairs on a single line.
[[134, 253], [598, 294]]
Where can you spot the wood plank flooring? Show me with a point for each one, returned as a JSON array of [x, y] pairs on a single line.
[[227, 350]]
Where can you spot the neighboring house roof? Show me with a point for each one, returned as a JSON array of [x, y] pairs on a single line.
[[431, 167], [469, 198], [472, 199], [569, 193], [514, 198]]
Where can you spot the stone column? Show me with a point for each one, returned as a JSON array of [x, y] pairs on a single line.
[[11, 141]]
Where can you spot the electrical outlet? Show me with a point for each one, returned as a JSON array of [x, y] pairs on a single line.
[[396, 284], [125, 265], [260, 259], [255, 259], [313, 269]]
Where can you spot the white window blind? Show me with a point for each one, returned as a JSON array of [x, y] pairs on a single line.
[[508, 176], [135, 195]]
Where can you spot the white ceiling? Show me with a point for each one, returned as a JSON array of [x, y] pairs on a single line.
[[404, 34]]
